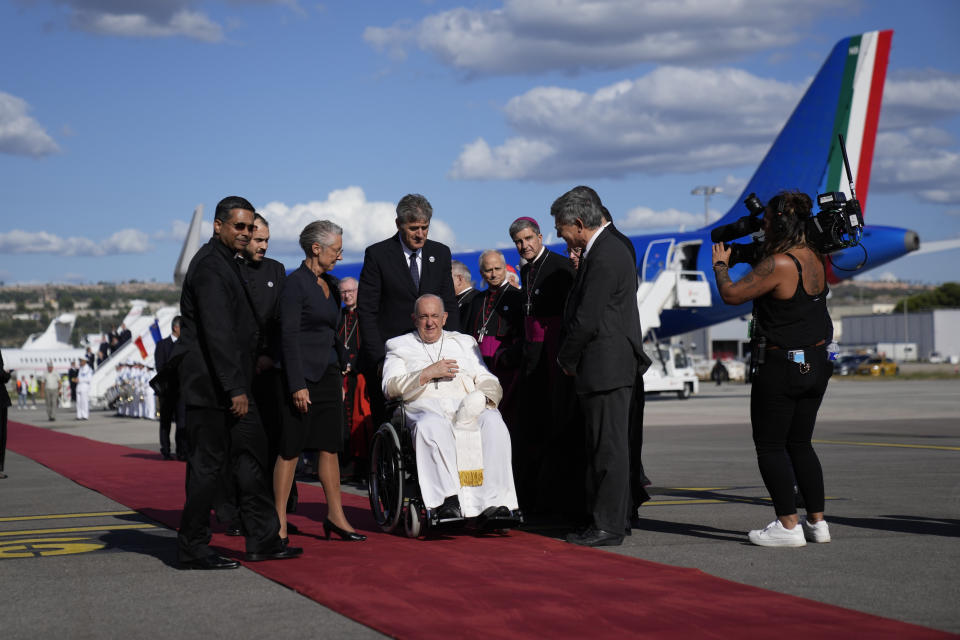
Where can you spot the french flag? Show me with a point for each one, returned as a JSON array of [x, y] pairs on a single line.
[[155, 333]]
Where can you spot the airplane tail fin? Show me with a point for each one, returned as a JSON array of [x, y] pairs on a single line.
[[191, 243], [844, 98]]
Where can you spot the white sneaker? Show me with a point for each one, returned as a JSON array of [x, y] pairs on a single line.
[[775, 535], [818, 532]]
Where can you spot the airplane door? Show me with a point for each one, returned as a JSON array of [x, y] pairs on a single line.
[[655, 259]]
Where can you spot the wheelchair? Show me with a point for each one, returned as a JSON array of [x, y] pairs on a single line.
[[394, 487]]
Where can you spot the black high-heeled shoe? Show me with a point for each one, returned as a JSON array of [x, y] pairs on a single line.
[[350, 536]]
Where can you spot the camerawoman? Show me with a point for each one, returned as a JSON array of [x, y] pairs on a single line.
[[790, 332]]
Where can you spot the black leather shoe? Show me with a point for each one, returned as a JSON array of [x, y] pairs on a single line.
[[450, 509], [594, 537], [212, 561], [233, 529], [283, 553], [166, 455]]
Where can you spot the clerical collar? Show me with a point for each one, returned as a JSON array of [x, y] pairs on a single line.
[[543, 249]]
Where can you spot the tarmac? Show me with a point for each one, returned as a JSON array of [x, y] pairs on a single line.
[[75, 564]]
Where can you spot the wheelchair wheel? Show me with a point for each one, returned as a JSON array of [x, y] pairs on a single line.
[[413, 520], [386, 478]]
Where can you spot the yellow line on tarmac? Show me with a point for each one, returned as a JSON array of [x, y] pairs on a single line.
[[889, 444], [107, 527], [58, 516], [662, 503]]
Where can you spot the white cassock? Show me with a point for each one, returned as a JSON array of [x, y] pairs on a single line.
[[431, 409]]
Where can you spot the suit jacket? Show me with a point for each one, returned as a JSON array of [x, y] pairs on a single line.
[[386, 293], [218, 330], [463, 301], [162, 355], [4, 379], [308, 327], [265, 281], [602, 340]]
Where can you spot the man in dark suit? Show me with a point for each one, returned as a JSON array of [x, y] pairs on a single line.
[[464, 290], [171, 408], [600, 348], [217, 351], [4, 405], [638, 478], [395, 272]]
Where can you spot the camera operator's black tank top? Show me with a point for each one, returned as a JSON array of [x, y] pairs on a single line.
[[798, 322]]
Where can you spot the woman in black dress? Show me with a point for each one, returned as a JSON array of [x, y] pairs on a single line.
[[309, 312]]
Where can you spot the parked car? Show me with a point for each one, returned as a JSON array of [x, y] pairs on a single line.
[[936, 358], [847, 365], [878, 366]]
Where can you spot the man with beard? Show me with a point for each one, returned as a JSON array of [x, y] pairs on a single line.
[[218, 353]]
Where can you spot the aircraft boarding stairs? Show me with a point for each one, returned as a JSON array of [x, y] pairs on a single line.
[[666, 284], [105, 376]]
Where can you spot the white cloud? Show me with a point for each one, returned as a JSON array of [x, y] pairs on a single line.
[[915, 98], [647, 218], [533, 36], [916, 160], [19, 133], [186, 23], [153, 18], [363, 222], [658, 123], [125, 241], [178, 230]]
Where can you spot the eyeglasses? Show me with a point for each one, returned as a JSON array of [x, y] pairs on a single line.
[[348, 291], [240, 226]]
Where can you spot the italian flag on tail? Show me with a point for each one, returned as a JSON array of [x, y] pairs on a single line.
[[858, 110]]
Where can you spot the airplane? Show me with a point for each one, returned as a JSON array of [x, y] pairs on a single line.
[[844, 98], [53, 345]]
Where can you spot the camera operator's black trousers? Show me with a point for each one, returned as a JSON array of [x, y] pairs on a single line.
[[783, 411], [223, 446]]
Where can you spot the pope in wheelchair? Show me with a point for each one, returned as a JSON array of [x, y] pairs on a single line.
[[460, 443]]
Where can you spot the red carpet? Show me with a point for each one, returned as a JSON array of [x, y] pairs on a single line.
[[522, 585]]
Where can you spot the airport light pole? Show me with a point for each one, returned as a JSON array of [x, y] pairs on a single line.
[[706, 192]]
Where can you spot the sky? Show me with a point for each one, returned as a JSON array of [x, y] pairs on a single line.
[[117, 118]]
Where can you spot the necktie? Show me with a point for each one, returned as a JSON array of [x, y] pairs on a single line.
[[414, 272]]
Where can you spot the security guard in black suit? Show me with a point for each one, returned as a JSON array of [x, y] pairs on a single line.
[[217, 349]]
